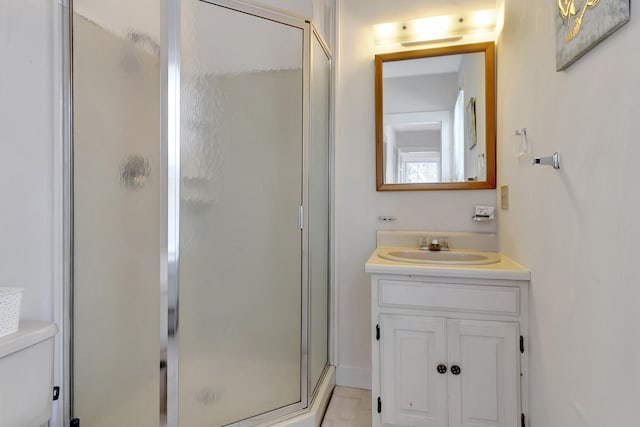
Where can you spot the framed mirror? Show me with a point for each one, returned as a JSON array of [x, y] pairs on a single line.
[[435, 119]]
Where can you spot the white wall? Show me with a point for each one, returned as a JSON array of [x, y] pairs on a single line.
[[422, 139], [472, 80], [577, 229], [357, 203], [26, 152], [29, 147], [430, 92]]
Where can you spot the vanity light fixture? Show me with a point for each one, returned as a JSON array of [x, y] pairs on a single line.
[[435, 28]]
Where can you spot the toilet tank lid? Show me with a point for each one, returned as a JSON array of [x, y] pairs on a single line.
[[29, 333]]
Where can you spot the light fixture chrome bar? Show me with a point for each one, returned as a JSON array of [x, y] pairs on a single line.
[[431, 41]]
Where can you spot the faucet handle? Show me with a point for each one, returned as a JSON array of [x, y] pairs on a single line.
[[444, 243]]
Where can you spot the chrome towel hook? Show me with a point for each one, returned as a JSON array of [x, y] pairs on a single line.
[[553, 160]]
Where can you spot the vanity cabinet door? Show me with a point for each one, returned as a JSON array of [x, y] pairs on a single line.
[[485, 391], [413, 393]]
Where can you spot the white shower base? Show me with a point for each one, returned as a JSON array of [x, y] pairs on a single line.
[[313, 416]]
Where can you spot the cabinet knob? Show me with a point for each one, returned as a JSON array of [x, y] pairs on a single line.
[[442, 369], [455, 370]]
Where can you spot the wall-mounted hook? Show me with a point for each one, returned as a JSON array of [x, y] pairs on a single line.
[[553, 160]]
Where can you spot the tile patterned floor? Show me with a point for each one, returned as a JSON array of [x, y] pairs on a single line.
[[349, 407]]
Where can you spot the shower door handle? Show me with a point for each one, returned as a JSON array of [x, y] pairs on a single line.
[[300, 217]]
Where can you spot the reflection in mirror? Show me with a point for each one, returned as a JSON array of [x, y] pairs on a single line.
[[435, 119]]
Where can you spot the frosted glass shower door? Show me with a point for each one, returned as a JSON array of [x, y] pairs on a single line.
[[116, 227], [240, 334]]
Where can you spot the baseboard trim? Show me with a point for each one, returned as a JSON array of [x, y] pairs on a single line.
[[350, 376]]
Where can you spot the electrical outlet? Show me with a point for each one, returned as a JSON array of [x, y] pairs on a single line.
[[504, 197]]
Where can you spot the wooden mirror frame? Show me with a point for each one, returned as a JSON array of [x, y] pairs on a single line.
[[488, 49]]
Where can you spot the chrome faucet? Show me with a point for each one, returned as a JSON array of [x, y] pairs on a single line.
[[439, 244]]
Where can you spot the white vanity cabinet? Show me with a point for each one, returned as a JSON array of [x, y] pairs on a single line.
[[449, 351]]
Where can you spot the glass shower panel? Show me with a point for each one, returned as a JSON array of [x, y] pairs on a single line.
[[240, 241], [319, 212], [116, 146]]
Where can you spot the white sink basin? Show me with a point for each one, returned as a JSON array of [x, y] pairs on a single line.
[[457, 257]]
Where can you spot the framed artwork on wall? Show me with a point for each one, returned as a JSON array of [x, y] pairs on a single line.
[[582, 24], [471, 134]]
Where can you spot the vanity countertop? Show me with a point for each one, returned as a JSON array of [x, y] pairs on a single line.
[[505, 269]]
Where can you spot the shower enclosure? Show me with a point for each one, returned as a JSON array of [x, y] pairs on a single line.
[[199, 175]]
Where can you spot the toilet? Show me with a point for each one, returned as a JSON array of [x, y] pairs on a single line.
[[26, 375]]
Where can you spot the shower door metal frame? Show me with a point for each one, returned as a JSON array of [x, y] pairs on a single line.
[[67, 207], [170, 209], [317, 35]]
